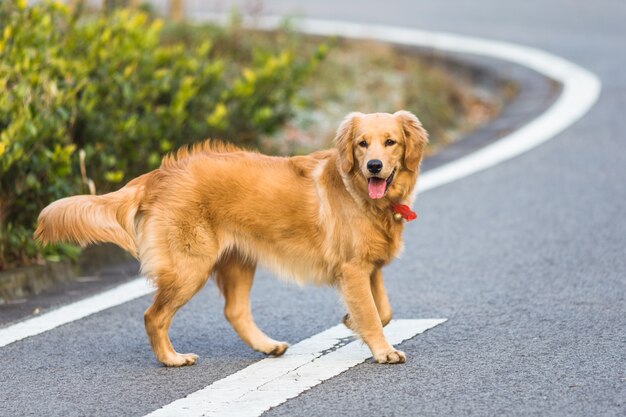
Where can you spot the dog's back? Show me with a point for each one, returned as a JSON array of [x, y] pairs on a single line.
[[86, 219]]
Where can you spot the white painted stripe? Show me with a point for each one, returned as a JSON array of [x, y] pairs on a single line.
[[580, 91], [272, 381], [581, 88], [75, 311]]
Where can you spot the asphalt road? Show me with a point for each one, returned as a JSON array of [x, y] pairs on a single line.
[[527, 260]]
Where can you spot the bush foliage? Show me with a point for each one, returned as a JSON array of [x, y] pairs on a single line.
[[89, 102]]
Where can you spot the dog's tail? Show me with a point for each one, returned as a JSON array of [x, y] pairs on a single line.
[[86, 219]]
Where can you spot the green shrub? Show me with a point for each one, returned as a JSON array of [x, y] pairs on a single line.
[[96, 100]]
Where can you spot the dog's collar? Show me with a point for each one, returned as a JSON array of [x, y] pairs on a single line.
[[402, 211]]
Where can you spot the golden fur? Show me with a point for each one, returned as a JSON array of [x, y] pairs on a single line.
[[214, 209]]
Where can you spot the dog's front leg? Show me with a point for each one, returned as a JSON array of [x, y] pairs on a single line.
[[380, 299], [356, 290]]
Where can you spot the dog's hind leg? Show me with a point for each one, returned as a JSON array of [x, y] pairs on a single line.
[[234, 277], [174, 289]]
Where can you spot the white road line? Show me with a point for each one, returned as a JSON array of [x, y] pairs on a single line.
[[272, 381], [75, 311], [580, 91], [581, 88]]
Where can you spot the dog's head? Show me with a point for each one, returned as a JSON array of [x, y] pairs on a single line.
[[383, 152]]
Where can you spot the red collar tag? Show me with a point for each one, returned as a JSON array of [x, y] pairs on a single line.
[[405, 211]]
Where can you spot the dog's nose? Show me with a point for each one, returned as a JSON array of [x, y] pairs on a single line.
[[374, 166]]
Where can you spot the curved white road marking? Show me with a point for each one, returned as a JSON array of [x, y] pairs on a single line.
[[581, 88], [272, 381], [580, 91]]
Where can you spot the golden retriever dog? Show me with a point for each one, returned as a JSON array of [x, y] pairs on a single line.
[[216, 210]]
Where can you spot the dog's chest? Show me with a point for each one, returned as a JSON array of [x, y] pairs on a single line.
[[394, 244], [381, 243]]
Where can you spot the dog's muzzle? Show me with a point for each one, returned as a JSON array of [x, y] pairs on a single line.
[[377, 187]]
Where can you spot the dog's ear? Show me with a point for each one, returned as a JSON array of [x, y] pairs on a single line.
[[415, 139], [344, 139]]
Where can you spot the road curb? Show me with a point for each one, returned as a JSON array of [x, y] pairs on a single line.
[[34, 289]]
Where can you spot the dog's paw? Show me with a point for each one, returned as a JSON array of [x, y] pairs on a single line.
[[279, 349], [272, 348], [392, 356], [179, 359]]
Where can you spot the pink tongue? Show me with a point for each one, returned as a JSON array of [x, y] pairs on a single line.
[[376, 187]]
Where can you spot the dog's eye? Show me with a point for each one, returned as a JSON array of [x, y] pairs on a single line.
[[390, 142], [363, 144]]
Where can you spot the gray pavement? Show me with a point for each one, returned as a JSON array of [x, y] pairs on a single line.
[[527, 260]]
